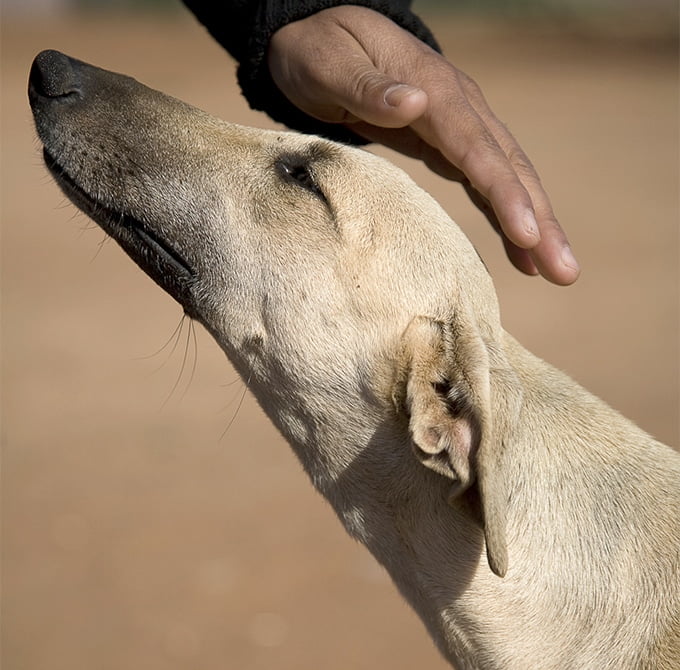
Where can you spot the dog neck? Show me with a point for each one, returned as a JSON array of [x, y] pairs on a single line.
[[361, 460]]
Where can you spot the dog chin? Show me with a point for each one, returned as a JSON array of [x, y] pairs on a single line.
[[153, 254]]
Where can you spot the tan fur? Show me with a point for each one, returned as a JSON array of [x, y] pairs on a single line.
[[529, 524]]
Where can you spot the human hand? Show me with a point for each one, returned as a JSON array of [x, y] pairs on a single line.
[[352, 65]]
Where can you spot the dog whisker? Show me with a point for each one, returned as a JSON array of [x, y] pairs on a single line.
[[190, 337], [238, 406], [174, 337]]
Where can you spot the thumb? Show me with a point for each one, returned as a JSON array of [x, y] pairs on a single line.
[[344, 86], [371, 96]]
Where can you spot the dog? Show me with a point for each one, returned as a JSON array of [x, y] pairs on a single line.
[[526, 522]]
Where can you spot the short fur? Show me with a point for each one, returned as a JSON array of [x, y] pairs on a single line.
[[369, 330]]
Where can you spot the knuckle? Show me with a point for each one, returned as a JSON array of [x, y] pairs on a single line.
[[367, 83], [521, 162], [469, 84], [479, 150]]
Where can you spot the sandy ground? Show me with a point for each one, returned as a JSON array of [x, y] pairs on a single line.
[[152, 517]]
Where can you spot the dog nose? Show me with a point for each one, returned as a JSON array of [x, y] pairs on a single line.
[[53, 75]]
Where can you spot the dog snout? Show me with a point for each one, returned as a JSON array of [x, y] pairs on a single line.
[[53, 76]]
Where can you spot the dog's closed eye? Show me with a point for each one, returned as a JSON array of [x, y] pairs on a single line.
[[297, 171]]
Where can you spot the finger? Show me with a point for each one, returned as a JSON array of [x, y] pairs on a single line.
[[552, 254], [520, 258], [467, 143], [554, 257]]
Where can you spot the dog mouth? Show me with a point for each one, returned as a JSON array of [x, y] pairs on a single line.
[[154, 254]]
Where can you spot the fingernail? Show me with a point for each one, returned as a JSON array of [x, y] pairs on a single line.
[[397, 92], [569, 259], [530, 225]]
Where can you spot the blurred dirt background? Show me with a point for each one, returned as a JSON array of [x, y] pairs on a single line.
[[152, 517]]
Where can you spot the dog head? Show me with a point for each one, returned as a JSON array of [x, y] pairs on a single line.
[[316, 266]]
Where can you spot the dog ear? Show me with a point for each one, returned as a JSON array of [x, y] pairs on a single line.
[[450, 379]]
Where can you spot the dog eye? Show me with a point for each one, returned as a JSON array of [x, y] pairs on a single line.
[[300, 174]]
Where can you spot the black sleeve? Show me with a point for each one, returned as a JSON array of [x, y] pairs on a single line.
[[244, 28]]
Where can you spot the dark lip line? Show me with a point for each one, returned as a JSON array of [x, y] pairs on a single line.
[[110, 219]]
